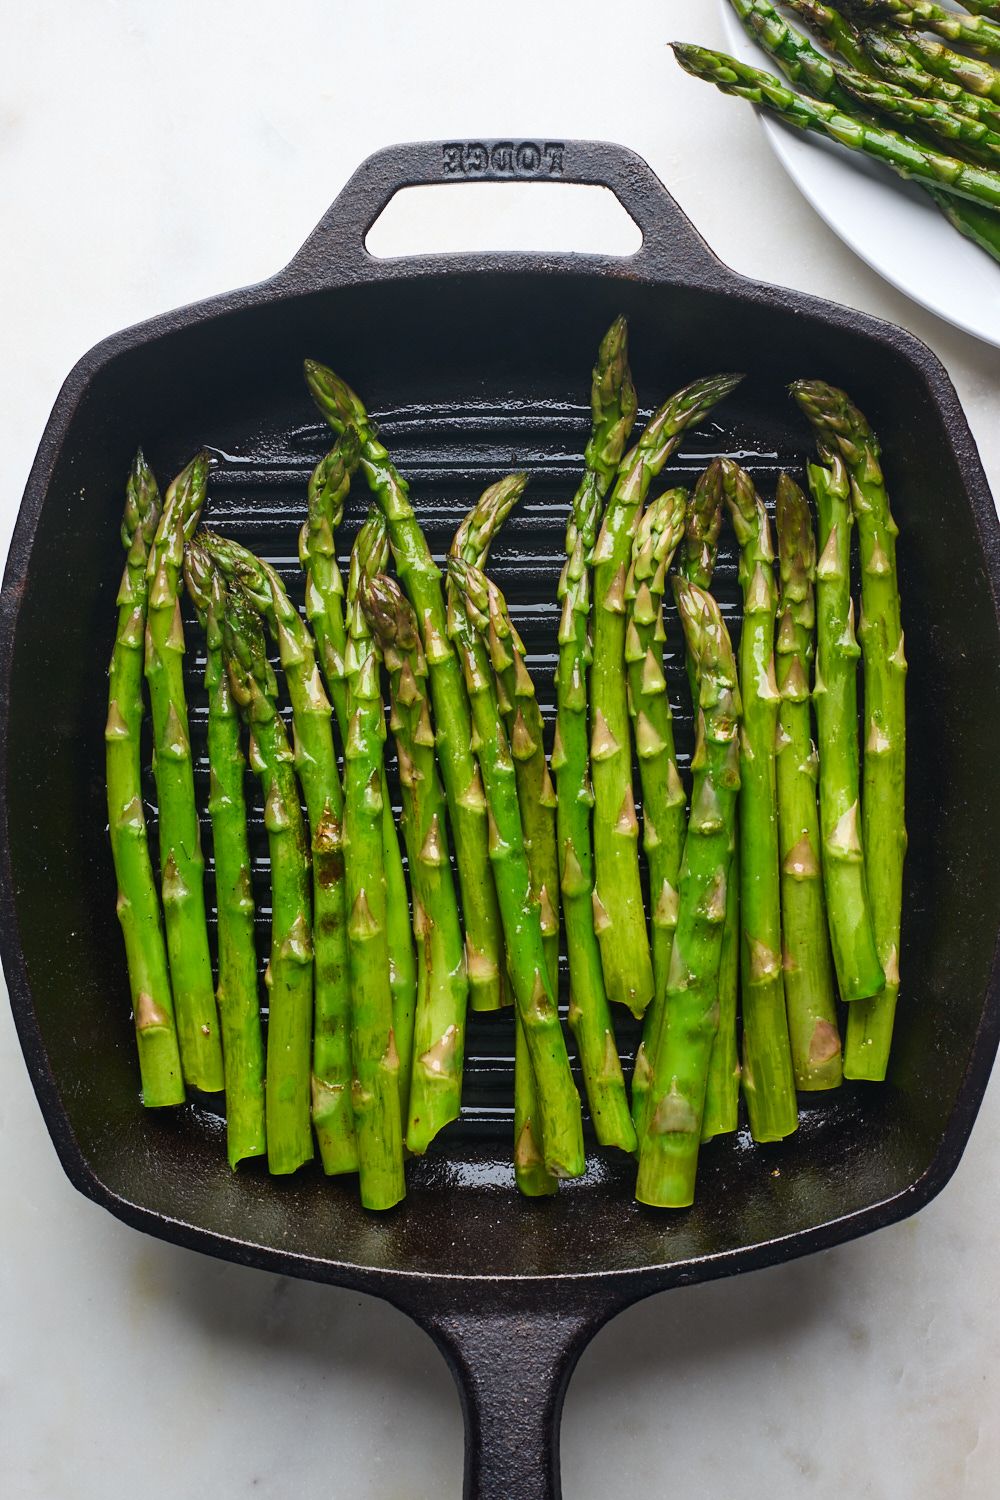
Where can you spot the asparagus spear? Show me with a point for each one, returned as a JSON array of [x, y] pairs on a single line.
[[138, 904], [696, 563], [317, 767], [972, 75], [983, 8], [700, 547], [524, 726], [842, 430], [812, 1016], [182, 865], [471, 544], [421, 580], [852, 936], [803, 64], [664, 802], [837, 30], [977, 223], [668, 1149], [920, 15], [895, 61], [537, 818], [328, 488], [377, 1094], [289, 974], [796, 56], [236, 991], [613, 404], [619, 921], [368, 557], [558, 1101], [768, 1081], [935, 117], [904, 156], [439, 1030]]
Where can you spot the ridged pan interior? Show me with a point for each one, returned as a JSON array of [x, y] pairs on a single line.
[[469, 378]]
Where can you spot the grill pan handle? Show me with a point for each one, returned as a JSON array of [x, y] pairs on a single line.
[[512, 1354], [335, 254]]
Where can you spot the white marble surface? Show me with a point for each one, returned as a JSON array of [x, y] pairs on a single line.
[[151, 155]]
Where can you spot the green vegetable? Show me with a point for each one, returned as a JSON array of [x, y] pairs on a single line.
[[668, 1148], [904, 156], [316, 764], [442, 984], [844, 434], [613, 404], [933, 117], [236, 991], [618, 911], [289, 975], [420, 578], [968, 31], [768, 1081], [558, 1101], [182, 865], [852, 936], [696, 563], [138, 904], [812, 1016], [376, 1093]]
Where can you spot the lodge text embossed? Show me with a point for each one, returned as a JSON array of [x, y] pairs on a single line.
[[503, 159]]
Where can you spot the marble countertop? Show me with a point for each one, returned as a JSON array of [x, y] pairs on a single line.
[[150, 156]]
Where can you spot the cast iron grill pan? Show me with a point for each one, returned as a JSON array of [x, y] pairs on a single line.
[[476, 365]]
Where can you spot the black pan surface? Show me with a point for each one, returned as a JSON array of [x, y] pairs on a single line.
[[476, 365]]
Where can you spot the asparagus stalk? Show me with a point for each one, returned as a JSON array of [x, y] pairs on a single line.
[[921, 15], [804, 65], [316, 764], [618, 912], [700, 547], [897, 62], [837, 30], [377, 1094], [289, 974], [971, 74], [696, 563], [904, 156], [236, 991], [795, 55], [182, 865], [613, 404], [471, 544], [668, 1148], [935, 117], [852, 936], [558, 1101], [842, 430], [768, 1081], [979, 224], [328, 488], [369, 556], [138, 904], [535, 802], [442, 993], [812, 1016], [523, 723], [421, 580], [663, 798]]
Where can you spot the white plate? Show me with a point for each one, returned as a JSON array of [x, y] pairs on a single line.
[[892, 224]]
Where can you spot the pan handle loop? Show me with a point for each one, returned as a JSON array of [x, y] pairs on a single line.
[[335, 254], [512, 1366]]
